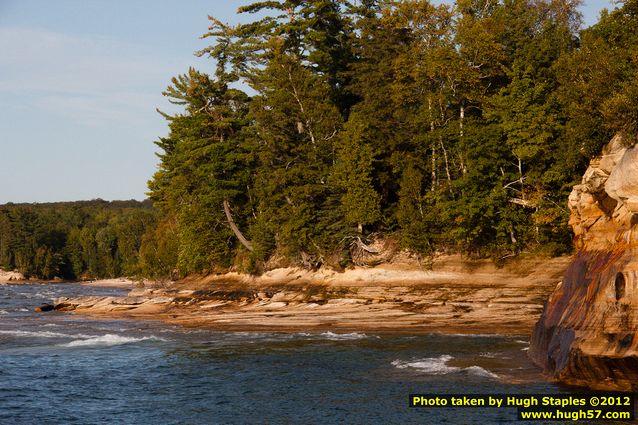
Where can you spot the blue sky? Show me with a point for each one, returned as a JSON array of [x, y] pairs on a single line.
[[79, 84]]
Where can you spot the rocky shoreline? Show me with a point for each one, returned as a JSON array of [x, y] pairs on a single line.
[[11, 277], [455, 296]]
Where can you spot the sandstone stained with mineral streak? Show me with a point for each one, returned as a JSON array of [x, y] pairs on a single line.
[[588, 332]]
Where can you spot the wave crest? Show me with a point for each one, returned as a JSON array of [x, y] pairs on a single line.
[[108, 340], [439, 366], [44, 334], [343, 337]]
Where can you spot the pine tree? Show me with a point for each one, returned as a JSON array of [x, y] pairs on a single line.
[[203, 168], [353, 175], [296, 129]]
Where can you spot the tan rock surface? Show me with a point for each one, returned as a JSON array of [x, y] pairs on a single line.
[[10, 277], [457, 296]]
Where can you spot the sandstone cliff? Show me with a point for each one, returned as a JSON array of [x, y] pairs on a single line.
[[588, 332]]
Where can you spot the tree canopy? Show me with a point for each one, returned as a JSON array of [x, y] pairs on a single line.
[[448, 128]]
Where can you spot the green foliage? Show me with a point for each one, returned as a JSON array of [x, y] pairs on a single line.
[[597, 82], [296, 128], [206, 161], [72, 240], [444, 124], [353, 175], [159, 251]]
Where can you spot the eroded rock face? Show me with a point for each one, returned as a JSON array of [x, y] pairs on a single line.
[[588, 333]]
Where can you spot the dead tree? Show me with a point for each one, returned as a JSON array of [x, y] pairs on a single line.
[[235, 229]]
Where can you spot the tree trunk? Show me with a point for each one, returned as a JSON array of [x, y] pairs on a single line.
[[433, 186], [235, 229], [461, 136], [520, 178], [447, 166], [433, 176]]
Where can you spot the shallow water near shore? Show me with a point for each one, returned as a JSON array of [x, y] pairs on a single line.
[[64, 368]]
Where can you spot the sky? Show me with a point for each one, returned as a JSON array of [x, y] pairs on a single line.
[[80, 81]]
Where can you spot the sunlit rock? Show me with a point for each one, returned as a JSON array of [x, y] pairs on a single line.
[[588, 333]]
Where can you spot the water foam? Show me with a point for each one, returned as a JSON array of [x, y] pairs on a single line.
[[479, 371], [334, 336], [44, 334], [108, 340], [343, 337], [430, 365], [3, 312], [439, 366]]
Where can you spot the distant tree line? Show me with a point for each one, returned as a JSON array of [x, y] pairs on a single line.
[[444, 128], [73, 240]]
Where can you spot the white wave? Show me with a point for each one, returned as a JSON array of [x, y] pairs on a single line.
[[2, 312], [430, 365], [479, 371], [439, 366], [520, 341], [334, 336], [44, 334], [342, 337], [108, 340], [525, 349]]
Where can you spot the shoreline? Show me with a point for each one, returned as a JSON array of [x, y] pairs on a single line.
[[455, 296], [125, 283]]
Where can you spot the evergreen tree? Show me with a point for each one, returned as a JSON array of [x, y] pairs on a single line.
[[296, 130], [203, 167], [353, 175]]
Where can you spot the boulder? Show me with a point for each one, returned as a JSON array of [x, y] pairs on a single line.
[[44, 307], [622, 184]]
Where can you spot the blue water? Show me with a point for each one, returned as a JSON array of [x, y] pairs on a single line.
[[60, 368]]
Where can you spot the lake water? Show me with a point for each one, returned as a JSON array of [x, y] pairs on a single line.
[[60, 368]]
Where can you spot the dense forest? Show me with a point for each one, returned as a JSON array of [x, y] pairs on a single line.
[[75, 240], [323, 123]]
